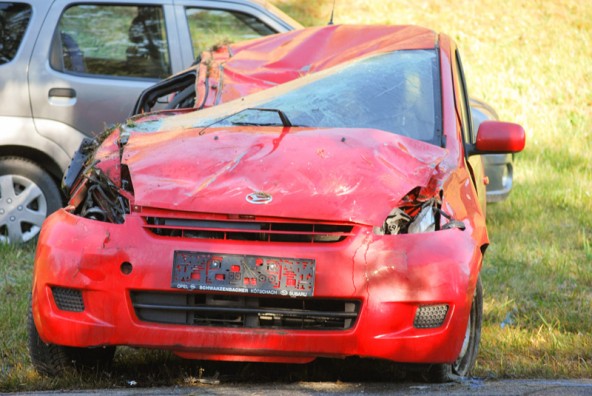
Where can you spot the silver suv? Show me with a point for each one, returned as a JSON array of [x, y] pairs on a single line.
[[71, 68]]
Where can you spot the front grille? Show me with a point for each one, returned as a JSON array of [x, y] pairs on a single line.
[[68, 299], [248, 230], [218, 310]]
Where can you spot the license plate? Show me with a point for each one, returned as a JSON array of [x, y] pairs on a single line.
[[235, 273]]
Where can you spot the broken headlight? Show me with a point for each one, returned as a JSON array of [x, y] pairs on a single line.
[[100, 199], [414, 216]]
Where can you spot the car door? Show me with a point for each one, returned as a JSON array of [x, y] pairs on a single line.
[[92, 60]]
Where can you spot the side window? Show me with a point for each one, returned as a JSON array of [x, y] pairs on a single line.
[[14, 19], [210, 27], [463, 101], [128, 41]]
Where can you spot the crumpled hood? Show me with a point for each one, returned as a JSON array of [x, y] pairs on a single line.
[[355, 175]]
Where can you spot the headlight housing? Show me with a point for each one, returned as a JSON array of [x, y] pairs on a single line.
[[415, 215], [98, 198], [100, 191]]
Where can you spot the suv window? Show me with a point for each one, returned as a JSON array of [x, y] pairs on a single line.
[[14, 19], [121, 41], [210, 27]]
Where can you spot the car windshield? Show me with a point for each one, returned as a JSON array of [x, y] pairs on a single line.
[[396, 92]]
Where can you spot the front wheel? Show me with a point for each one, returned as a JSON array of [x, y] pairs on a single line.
[[55, 360], [468, 354], [28, 195]]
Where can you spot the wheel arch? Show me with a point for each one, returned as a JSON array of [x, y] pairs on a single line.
[[39, 157]]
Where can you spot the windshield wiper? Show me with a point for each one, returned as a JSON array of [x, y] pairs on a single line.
[[285, 121], [283, 117], [261, 124]]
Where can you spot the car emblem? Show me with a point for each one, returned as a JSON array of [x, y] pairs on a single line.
[[259, 198]]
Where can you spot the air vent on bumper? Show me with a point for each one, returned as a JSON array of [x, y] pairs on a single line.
[[68, 299], [430, 316], [248, 230], [240, 311]]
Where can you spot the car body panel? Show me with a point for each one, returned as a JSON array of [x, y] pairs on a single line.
[[207, 177], [383, 328], [19, 128]]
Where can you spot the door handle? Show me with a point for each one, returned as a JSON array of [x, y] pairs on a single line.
[[62, 97], [62, 93]]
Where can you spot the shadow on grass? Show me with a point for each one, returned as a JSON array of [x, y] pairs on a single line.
[[151, 368]]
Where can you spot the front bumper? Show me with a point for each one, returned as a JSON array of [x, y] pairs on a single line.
[[390, 277]]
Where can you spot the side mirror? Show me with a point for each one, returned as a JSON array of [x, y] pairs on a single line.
[[496, 137]]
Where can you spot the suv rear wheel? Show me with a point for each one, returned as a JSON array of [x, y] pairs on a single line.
[[27, 196]]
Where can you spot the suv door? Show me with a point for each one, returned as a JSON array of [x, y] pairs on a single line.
[[101, 56]]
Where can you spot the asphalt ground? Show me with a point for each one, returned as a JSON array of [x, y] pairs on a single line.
[[535, 387]]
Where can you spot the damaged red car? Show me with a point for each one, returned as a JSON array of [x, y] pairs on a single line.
[[322, 196]]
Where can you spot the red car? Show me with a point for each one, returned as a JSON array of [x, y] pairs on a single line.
[[340, 212]]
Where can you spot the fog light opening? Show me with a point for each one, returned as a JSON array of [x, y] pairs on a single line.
[[126, 268], [68, 299], [430, 316]]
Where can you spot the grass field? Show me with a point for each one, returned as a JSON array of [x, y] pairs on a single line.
[[532, 60]]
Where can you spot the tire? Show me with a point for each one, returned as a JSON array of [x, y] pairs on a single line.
[[28, 195], [55, 360], [439, 373]]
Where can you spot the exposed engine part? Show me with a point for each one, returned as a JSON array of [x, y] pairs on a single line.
[[396, 221], [427, 220], [451, 222], [126, 179], [103, 202], [414, 216]]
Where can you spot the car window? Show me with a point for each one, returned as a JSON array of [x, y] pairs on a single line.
[[209, 27], [395, 92], [121, 41], [14, 19]]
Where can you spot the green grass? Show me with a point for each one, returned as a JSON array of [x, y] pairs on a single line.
[[16, 267], [532, 60]]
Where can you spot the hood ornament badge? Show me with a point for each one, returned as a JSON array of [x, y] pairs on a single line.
[[259, 198]]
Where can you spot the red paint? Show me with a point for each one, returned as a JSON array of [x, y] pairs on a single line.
[[390, 275], [498, 136], [212, 173]]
